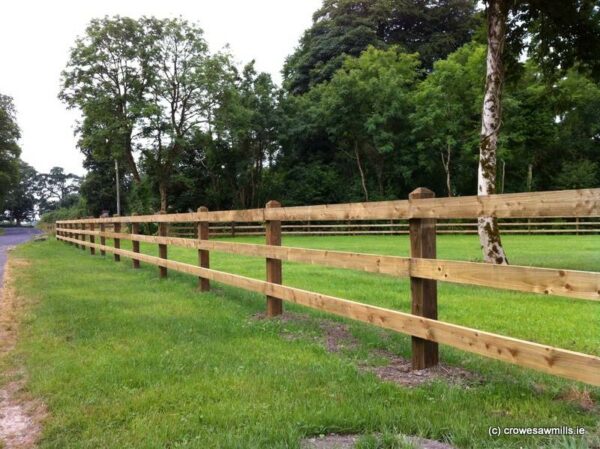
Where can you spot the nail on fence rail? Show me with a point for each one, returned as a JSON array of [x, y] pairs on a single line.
[[422, 210]]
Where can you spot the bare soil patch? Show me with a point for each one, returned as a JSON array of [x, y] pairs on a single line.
[[396, 369], [399, 371], [581, 397], [20, 415], [334, 441]]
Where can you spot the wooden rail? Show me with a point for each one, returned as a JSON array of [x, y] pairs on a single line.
[[548, 281], [422, 267], [562, 203]]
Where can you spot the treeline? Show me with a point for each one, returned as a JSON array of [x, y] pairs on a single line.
[[24, 193], [378, 98]]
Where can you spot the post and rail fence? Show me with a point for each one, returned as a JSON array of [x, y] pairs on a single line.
[[422, 210]]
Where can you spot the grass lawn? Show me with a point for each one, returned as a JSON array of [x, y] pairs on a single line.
[[125, 360]]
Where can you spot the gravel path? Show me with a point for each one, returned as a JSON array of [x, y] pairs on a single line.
[[12, 237]]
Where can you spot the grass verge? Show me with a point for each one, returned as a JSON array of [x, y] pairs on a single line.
[[122, 359]]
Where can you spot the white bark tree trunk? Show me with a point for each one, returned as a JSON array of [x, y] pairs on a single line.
[[489, 233]]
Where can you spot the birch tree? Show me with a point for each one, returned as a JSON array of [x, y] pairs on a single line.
[[558, 34]]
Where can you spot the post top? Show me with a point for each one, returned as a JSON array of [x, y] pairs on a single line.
[[420, 193], [203, 209], [273, 203]]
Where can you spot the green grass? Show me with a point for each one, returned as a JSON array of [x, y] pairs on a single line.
[[124, 360]]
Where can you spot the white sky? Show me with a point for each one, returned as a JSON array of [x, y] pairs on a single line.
[[36, 35]]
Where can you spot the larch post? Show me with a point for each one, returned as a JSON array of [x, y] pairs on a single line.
[[425, 353], [203, 254], [274, 275], [102, 238], [70, 234], [162, 249], [135, 245], [92, 239], [82, 236], [75, 235], [117, 229]]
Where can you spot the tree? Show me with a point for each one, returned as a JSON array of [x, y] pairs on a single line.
[[343, 28], [446, 116], [178, 97], [20, 201], [107, 77], [560, 33], [9, 148], [55, 188], [253, 132], [366, 108]]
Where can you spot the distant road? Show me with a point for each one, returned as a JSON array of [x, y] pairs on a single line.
[[12, 237]]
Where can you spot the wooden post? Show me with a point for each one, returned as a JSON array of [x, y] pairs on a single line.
[[423, 291], [162, 249], [135, 229], [203, 255], [102, 239], [70, 234], [82, 237], [274, 275], [76, 236], [92, 240], [117, 229]]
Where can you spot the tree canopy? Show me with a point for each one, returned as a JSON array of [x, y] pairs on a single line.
[[380, 97]]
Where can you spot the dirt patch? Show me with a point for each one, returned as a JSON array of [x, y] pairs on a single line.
[[396, 369], [337, 336], [286, 317], [399, 371], [580, 397], [20, 416], [334, 441]]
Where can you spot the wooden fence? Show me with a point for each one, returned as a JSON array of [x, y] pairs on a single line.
[[562, 225], [422, 211]]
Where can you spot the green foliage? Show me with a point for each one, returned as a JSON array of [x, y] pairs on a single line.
[[347, 27], [365, 110], [557, 35], [77, 210], [578, 175], [447, 115], [20, 200], [373, 119], [56, 189], [9, 148]]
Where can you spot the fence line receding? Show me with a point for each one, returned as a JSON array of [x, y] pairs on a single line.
[[422, 211]]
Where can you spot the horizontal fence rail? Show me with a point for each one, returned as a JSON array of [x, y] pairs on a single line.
[[423, 268], [562, 203], [549, 281], [456, 227]]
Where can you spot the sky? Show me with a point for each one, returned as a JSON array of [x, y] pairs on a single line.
[[36, 35]]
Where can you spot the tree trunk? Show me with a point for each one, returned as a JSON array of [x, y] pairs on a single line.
[[131, 161], [489, 233], [446, 163], [361, 171], [162, 188]]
